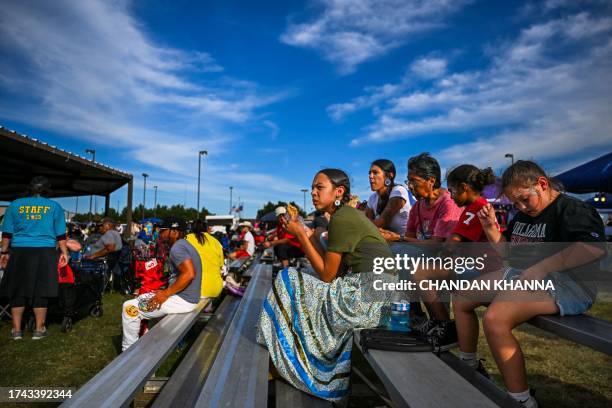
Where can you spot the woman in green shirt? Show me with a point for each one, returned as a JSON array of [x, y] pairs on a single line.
[[307, 322]]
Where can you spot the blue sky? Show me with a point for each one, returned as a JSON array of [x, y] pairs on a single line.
[[277, 90]]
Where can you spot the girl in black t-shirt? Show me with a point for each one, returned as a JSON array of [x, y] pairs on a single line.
[[545, 216]]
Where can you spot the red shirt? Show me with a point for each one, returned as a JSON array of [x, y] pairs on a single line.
[[469, 226], [281, 233]]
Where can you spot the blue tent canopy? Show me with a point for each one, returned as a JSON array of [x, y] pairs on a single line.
[[152, 220], [591, 177]]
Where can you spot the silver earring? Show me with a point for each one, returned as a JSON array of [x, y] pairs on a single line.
[[387, 182], [337, 203]]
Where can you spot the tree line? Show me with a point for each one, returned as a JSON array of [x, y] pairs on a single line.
[[177, 210]]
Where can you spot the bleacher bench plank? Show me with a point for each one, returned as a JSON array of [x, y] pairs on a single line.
[[119, 381], [422, 380], [239, 375], [288, 396], [582, 329], [484, 385], [236, 264], [254, 269], [183, 388]]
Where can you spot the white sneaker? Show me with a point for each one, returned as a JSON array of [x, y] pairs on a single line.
[[40, 334], [530, 402]]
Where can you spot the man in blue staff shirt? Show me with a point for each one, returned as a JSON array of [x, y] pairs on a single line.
[[32, 229]]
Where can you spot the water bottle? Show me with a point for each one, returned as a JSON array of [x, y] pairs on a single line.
[[400, 316]]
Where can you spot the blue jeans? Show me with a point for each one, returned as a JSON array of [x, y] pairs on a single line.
[[569, 296]]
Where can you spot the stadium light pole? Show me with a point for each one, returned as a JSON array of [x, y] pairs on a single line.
[[511, 157], [200, 154], [144, 194], [305, 190], [231, 191], [155, 202], [93, 159]]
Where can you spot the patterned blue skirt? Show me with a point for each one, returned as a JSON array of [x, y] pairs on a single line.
[[307, 326]]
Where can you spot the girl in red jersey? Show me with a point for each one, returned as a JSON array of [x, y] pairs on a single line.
[[465, 183]]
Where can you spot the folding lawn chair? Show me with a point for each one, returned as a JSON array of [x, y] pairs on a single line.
[[5, 310]]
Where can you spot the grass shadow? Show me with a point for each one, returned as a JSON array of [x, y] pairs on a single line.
[[551, 391]]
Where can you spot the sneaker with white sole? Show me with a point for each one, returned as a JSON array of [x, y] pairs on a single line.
[[530, 402], [16, 334], [40, 334]]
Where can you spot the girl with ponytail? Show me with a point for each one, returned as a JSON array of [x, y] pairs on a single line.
[[389, 206], [211, 258], [307, 322], [465, 183]]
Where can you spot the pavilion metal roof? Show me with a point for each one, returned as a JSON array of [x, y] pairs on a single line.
[[22, 158]]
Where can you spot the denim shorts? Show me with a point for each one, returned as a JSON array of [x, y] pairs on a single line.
[[469, 274], [569, 296]]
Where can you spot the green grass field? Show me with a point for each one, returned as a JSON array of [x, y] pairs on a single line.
[[564, 374]]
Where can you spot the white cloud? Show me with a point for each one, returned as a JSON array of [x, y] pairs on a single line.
[[545, 94], [88, 70], [429, 68], [350, 32], [373, 96]]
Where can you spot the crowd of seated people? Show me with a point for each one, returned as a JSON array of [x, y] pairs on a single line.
[[307, 321]]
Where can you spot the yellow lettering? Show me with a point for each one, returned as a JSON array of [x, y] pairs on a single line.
[[47, 208], [21, 209]]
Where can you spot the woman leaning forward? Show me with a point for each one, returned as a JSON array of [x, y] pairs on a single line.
[[307, 322]]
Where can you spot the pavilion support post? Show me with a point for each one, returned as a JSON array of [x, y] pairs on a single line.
[[128, 230], [106, 204]]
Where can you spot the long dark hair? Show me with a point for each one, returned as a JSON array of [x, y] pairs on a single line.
[[339, 178], [425, 166], [388, 168], [198, 228], [474, 177]]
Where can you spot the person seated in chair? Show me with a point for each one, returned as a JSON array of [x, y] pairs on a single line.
[[285, 245], [109, 242], [248, 242]]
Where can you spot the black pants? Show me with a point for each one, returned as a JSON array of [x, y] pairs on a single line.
[[286, 251], [36, 302]]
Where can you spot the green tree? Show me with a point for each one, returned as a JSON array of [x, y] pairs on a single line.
[[269, 206], [162, 212]]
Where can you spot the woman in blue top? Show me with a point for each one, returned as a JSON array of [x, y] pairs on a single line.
[[33, 227]]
